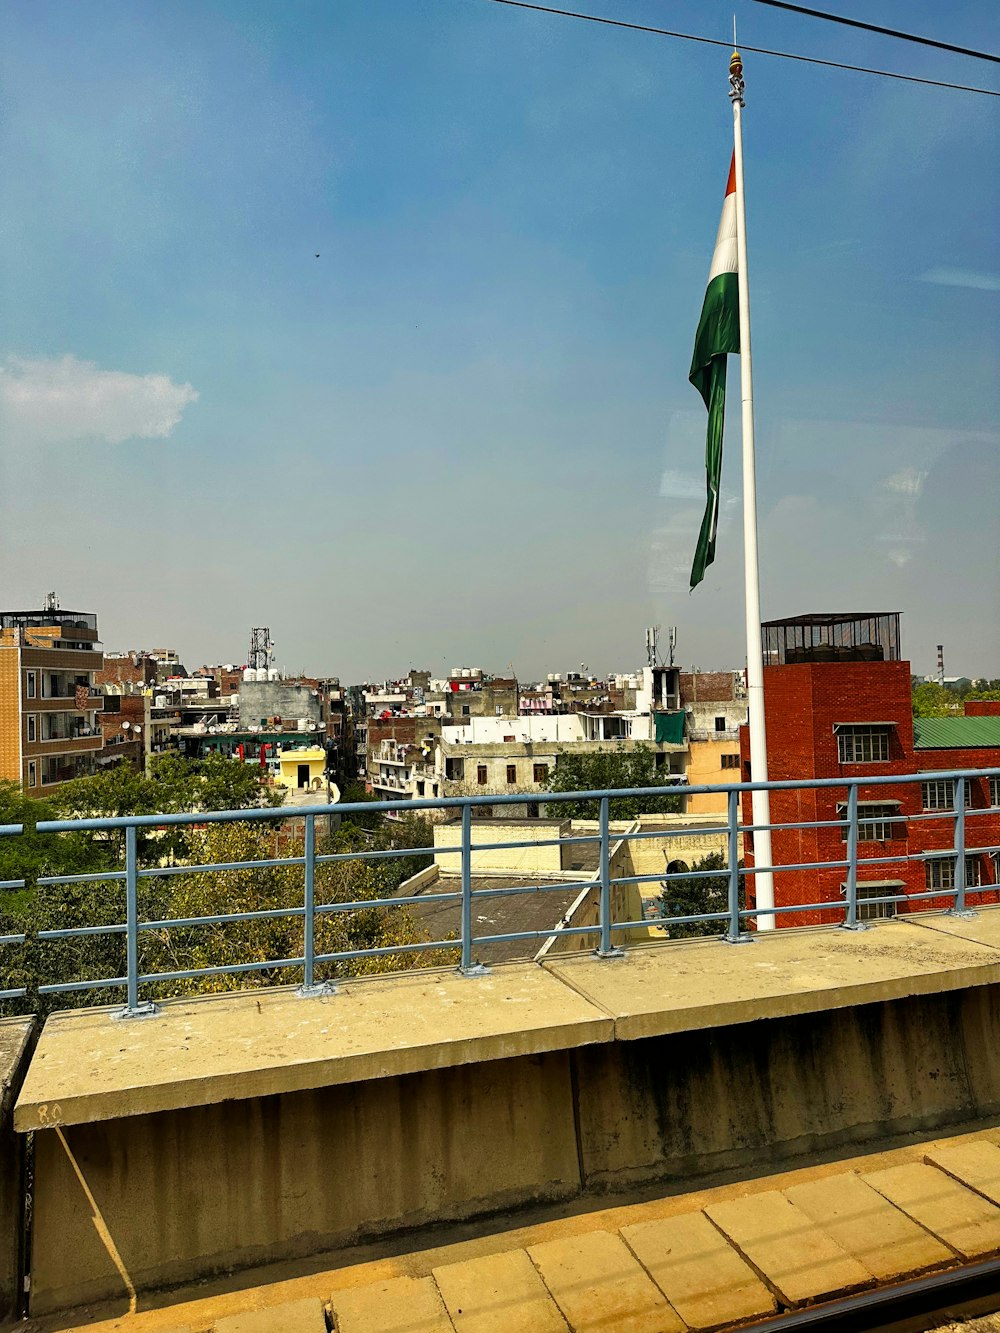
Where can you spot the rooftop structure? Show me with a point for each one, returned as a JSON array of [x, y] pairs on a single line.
[[845, 636]]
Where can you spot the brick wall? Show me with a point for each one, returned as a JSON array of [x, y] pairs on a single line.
[[982, 708], [706, 686], [803, 704]]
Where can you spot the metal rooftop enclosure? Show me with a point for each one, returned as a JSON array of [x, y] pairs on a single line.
[[853, 636]]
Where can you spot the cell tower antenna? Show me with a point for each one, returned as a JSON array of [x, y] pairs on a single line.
[[940, 664], [672, 644], [261, 645], [652, 636]]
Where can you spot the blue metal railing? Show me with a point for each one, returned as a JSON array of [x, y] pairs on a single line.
[[732, 921]]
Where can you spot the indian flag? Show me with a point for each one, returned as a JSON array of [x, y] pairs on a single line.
[[718, 334]]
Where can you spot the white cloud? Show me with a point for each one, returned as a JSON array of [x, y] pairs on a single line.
[[61, 399], [963, 277]]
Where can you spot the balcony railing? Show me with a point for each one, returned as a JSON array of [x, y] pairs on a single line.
[[310, 965]]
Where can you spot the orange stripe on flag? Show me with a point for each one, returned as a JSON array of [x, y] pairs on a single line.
[[731, 183]]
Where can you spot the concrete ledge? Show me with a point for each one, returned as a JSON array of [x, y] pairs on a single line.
[[256, 1044], [16, 1041], [690, 985]]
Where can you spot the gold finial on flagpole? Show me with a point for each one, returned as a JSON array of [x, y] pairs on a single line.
[[736, 78]]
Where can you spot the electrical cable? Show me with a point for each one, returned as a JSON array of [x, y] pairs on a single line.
[[883, 32], [757, 50]]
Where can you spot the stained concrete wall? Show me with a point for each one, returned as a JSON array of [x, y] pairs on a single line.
[[178, 1195], [757, 1094], [16, 1044]]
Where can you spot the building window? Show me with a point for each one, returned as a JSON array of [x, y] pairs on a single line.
[[465, 710], [420, 789], [540, 773], [32, 726], [940, 794], [863, 745], [876, 911], [878, 821], [720, 724], [730, 761], [994, 791], [940, 872], [481, 775], [31, 684], [511, 774], [498, 709], [32, 774], [532, 809]]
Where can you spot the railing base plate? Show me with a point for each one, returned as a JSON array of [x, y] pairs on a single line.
[[316, 991], [148, 1010], [962, 913], [745, 938], [858, 925], [476, 970], [609, 953]]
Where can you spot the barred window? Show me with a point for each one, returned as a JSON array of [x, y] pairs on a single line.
[[863, 744], [874, 911], [511, 774], [540, 773], [730, 761], [994, 791], [939, 794], [877, 821], [940, 872]]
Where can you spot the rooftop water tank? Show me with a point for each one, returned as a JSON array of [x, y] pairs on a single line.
[[303, 724], [274, 674]]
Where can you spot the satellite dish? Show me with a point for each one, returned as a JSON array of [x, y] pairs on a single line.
[[126, 726]]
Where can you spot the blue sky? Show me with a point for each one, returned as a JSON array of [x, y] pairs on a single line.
[[464, 433]]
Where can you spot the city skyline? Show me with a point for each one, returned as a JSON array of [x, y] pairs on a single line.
[[323, 320]]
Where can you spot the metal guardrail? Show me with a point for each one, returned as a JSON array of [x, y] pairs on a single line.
[[731, 921]]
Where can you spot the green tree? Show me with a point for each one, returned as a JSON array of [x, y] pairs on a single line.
[[691, 897], [933, 700], [610, 769]]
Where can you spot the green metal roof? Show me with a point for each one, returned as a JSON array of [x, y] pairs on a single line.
[[955, 733]]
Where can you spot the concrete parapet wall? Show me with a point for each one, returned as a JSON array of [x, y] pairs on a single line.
[[753, 1094], [182, 1194], [16, 1044], [239, 1130]]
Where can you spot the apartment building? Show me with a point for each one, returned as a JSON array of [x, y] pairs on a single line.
[[49, 699], [837, 703]]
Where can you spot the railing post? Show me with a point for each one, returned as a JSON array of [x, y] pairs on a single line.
[[467, 967], [309, 988], [606, 949], [133, 1009], [851, 921], [959, 908], [735, 933]]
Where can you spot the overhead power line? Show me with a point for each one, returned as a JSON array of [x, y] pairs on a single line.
[[875, 27], [757, 50]]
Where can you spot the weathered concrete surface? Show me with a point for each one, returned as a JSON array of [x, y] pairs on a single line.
[[974, 1164], [983, 928], [965, 1221], [691, 985], [601, 1288], [16, 1040], [356, 1273], [498, 1295], [256, 1044], [863, 1223], [677, 1107], [399, 1305], [304, 1316], [706, 1281], [800, 1260], [187, 1193]]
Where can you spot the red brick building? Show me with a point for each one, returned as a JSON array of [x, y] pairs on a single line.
[[837, 702]]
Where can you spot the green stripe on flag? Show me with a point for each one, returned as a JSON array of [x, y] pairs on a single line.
[[718, 334]]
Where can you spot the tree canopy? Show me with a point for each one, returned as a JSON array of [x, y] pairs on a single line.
[[611, 769], [694, 896]]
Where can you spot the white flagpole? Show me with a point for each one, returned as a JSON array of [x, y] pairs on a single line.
[[760, 802]]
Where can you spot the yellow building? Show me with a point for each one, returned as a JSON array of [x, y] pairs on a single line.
[[712, 762], [302, 767]]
